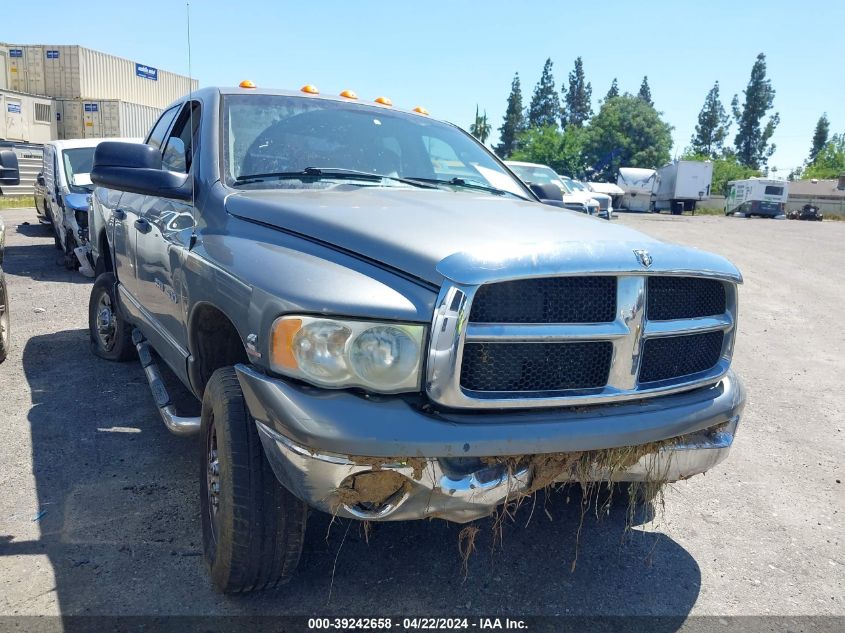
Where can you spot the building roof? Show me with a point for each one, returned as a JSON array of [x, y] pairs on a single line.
[[816, 189]]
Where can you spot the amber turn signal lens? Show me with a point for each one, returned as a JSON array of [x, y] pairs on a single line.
[[246, 83], [310, 89], [384, 101], [281, 342], [349, 94], [421, 110]]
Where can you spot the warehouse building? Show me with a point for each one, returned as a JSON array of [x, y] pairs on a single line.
[[50, 92]]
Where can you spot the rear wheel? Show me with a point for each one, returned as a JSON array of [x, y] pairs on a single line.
[[5, 321], [253, 528], [57, 241], [109, 333]]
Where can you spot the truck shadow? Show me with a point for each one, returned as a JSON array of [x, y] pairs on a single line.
[[121, 531], [29, 261]]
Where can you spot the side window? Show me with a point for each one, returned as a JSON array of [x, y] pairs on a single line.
[[179, 150], [156, 137]]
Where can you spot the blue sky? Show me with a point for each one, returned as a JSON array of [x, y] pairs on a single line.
[[450, 56]]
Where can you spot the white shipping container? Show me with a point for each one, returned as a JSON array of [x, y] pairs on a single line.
[[26, 118], [4, 67], [107, 118], [76, 72]]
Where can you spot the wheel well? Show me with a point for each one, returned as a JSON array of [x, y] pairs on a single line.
[[105, 252], [214, 343]]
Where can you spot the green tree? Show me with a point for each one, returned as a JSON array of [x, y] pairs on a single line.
[[480, 128], [713, 126], [514, 122], [830, 161], [614, 90], [563, 151], [725, 168], [544, 108], [819, 137], [752, 138], [577, 106], [627, 132], [645, 92]]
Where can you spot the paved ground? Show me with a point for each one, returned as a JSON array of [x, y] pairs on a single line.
[[98, 503]]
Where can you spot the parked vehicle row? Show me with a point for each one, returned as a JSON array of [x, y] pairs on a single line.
[[574, 195], [377, 316], [62, 192]]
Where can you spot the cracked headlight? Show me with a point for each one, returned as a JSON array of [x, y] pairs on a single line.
[[335, 353]]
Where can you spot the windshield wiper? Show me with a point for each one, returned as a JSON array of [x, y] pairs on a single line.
[[460, 182], [316, 173]]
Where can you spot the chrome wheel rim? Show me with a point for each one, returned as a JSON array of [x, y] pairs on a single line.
[[106, 325], [212, 478]]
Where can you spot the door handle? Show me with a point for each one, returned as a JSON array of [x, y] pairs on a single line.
[[143, 226], [119, 214]]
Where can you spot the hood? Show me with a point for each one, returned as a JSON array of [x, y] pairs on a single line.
[[413, 230]]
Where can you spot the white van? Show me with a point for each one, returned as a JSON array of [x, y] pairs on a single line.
[[67, 185]]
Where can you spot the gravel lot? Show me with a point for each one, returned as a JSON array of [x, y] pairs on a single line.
[[99, 510]]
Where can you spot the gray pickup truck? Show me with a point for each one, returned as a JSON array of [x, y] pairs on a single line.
[[382, 322]]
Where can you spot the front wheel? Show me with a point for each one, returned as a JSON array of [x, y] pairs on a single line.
[[110, 334], [5, 321], [252, 527]]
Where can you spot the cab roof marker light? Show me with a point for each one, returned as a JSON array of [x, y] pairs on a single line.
[[421, 110], [349, 94], [384, 101], [309, 89], [247, 83]]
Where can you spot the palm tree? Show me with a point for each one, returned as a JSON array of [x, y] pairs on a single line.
[[481, 128]]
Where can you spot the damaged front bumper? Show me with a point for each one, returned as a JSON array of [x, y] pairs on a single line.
[[311, 437]]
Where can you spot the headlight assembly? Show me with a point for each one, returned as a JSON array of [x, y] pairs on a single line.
[[380, 356]]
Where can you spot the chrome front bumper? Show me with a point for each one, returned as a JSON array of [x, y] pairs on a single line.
[[443, 490]]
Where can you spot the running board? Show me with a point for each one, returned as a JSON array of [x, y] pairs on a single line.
[[176, 424]]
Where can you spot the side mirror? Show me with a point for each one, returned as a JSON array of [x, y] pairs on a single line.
[[10, 174], [136, 168], [547, 191], [40, 180]]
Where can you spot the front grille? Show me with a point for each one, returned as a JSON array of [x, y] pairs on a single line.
[[535, 366], [677, 356], [684, 298], [548, 300]]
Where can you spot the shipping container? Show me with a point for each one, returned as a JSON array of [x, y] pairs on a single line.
[[76, 72], [4, 67], [26, 118], [89, 118]]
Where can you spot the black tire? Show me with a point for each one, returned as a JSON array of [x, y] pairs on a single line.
[[252, 527], [5, 321], [71, 261], [57, 242], [109, 333]]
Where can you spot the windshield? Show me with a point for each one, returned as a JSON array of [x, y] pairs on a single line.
[[574, 184], [276, 141], [78, 163], [537, 174]]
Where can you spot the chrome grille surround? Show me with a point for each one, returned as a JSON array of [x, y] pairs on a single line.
[[465, 273]]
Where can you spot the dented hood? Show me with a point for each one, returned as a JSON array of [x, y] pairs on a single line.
[[414, 230]]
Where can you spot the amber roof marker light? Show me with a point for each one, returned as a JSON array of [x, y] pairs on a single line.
[[349, 94], [247, 83], [309, 89], [421, 110], [384, 101]]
